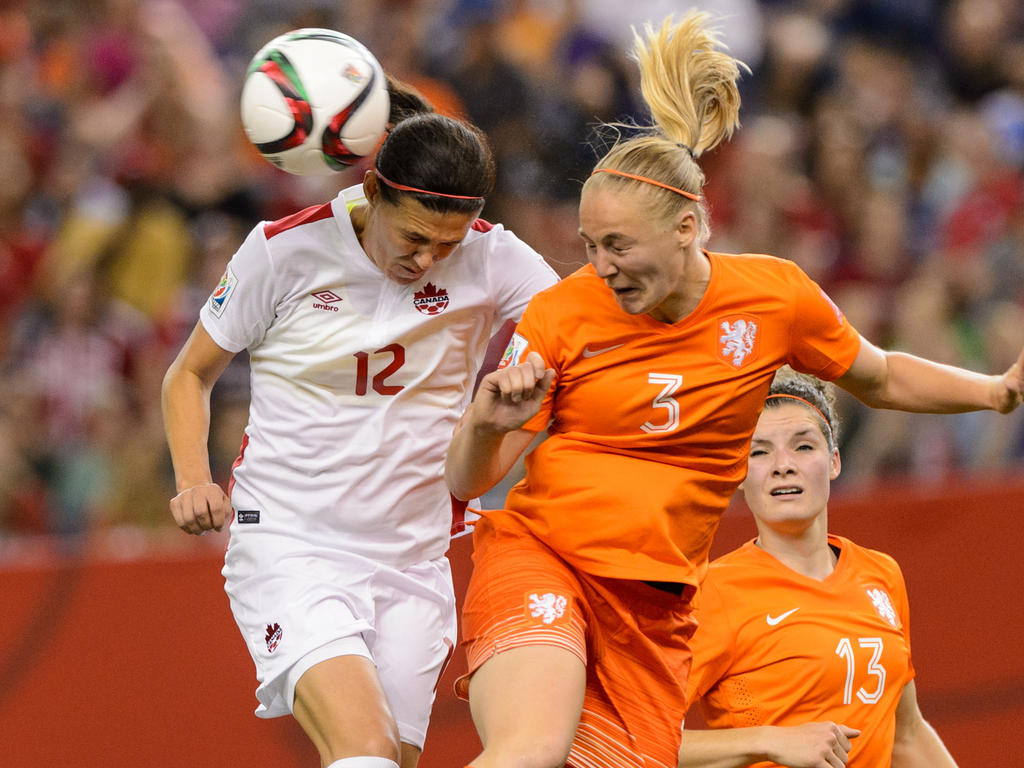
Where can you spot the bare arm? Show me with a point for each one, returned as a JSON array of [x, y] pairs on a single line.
[[200, 505], [904, 382], [488, 440], [917, 744], [813, 745]]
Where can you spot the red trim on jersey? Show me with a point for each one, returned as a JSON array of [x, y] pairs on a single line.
[[458, 515], [305, 216], [482, 225], [234, 466]]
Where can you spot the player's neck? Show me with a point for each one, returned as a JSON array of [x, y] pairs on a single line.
[[807, 552]]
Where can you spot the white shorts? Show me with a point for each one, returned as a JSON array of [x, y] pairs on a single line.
[[298, 608]]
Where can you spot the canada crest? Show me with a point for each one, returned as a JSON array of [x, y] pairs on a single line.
[[431, 300], [737, 339]]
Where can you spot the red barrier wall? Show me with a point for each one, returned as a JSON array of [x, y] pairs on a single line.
[[130, 661]]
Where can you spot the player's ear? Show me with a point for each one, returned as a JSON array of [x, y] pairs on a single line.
[[686, 227], [371, 187], [837, 465]]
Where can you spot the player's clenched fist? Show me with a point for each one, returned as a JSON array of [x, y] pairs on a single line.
[[201, 508], [511, 396]]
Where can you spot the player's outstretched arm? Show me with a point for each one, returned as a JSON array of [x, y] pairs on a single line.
[[812, 745], [489, 437], [917, 744], [201, 505], [908, 383]]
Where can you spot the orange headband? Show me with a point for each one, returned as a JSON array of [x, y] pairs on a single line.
[[404, 188], [646, 180], [810, 405]]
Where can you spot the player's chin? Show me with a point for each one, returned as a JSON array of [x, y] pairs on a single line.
[[631, 300]]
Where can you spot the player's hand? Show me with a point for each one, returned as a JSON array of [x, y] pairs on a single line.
[[1009, 388], [812, 745], [510, 397], [201, 508]]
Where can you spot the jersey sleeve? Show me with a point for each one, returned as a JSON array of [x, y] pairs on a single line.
[[243, 304], [902, 607], [518, 273], [711, 644], [532, 335], [822, 341]]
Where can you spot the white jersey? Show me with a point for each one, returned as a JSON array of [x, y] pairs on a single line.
[[358, 381]]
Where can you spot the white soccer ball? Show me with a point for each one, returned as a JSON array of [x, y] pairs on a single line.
[[314, 101]]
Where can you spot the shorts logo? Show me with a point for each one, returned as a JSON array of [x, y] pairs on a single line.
[[223, 292], [737, 339], [431, 300], [880, 599], [514, 352], [248, 516], [273, 636], [550, 608], [325, 299]]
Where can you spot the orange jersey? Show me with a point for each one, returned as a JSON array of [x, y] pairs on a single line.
[[774, 647], [651, 422]]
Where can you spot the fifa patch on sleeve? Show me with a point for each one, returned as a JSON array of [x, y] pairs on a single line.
[[514, 353], [223, 293]]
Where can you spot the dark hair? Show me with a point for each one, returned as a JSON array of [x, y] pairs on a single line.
[[405, 100], [789, 384], [439, 154]]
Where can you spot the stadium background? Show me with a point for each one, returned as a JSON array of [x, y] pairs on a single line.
[[882, 148]]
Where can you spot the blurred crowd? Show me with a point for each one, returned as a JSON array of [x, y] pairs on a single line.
[[882, 149]]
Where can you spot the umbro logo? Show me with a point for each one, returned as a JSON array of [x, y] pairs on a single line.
[[773, 620], [325, 300]]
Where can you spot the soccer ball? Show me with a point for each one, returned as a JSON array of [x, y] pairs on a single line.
[[314, 101]]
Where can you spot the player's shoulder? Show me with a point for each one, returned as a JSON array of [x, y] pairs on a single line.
[[311, 215], [736, 566], [486, 236], [865, 559], [756, 268]]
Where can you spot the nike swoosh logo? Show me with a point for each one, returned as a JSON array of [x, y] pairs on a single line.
[[773, 620], [588, 352]]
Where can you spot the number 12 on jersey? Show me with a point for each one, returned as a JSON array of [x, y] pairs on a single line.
[[379, 381]]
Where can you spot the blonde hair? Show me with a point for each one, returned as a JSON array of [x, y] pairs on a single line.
[[690, 88]]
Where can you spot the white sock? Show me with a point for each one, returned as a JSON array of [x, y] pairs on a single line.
[[363, 762]]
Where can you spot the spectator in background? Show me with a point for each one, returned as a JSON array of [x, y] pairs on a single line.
[[119, 119]]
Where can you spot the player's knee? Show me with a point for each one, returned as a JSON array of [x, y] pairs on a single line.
[[377, 743]]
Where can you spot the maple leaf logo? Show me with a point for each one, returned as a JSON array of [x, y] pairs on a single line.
[[273, 636], [431, 300]]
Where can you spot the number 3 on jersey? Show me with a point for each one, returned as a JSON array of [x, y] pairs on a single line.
[[671, 383], [379, 382]]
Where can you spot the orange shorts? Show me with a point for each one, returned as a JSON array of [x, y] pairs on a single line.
[[633, 638]]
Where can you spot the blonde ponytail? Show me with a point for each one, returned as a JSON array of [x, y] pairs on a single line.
[[689, 85]]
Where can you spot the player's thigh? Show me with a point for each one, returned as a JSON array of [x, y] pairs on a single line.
[[342, 706], [528, 699]]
